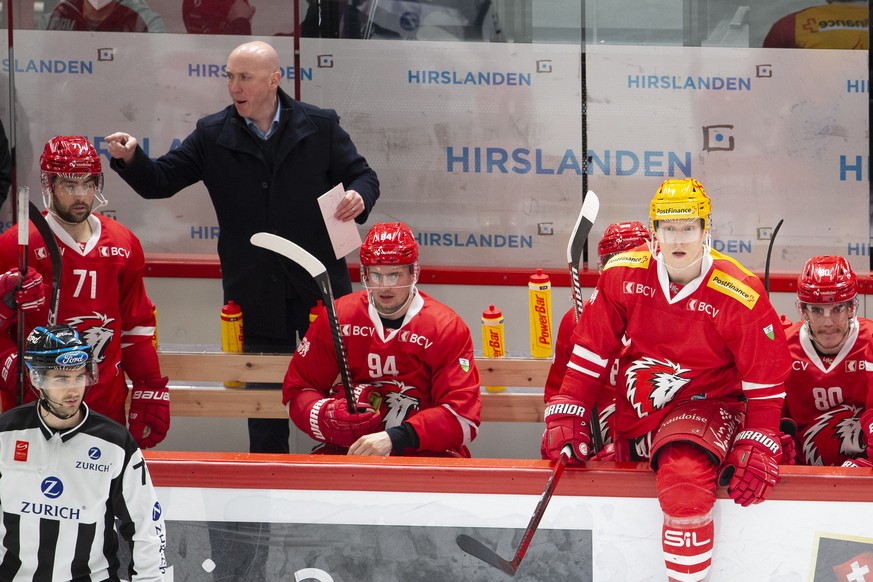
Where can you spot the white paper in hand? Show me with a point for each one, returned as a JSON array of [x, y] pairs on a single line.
[[344, 236]]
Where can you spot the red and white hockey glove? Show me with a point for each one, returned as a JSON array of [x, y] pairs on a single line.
[[787, 430], [866, 421], [331, 421], [30, 297], [751, 468], [567, 423], [857, 462], [149, 416]]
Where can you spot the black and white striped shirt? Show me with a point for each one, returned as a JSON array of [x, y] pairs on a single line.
[[61, 493]]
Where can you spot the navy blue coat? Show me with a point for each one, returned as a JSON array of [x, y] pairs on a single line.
[[250, 195]]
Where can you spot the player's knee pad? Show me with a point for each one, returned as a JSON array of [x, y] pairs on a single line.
[[709, 424], [833, 437], [685, 480]]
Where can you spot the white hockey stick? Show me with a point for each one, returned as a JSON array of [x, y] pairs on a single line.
[[317, 270], [584, 223], [587, 216]]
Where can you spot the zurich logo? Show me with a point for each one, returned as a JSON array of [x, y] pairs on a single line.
[[51, 487], [156, 511], [94, 453], [71, 358], [409, 21]]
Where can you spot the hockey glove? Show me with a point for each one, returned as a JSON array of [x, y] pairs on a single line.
[[787, 430], [30, 297], [149, 417], [857, 462], [336, 425], [866, 421], [567, 422], [751, 468]]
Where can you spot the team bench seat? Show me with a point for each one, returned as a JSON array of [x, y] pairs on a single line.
[[191, 373]]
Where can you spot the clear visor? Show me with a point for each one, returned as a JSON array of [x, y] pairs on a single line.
[[819, 311], [384, 276], [69, 185], [679, 231], [58, 379]]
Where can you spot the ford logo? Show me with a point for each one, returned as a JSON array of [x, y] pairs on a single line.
[[72, 359]]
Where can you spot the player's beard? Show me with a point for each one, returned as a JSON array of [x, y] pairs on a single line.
[[66, 213]]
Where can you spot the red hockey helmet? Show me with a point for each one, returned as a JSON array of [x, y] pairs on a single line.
[[389, 243], [68, 156], [832, 437], [827, 279], [621, 236]]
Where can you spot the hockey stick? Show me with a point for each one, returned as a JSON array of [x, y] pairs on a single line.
[[23, 229], [316, 269], [479, 550], [584, 223], [769, 252], [51, 245]]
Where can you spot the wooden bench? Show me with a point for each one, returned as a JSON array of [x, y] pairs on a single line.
[[220, 401]]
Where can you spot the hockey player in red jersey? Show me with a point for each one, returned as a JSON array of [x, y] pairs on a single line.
[[618, 237], [102, 294], [701, 377], [410, 360], [828, 387]]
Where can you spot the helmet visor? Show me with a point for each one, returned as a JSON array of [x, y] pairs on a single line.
[[679, 231]]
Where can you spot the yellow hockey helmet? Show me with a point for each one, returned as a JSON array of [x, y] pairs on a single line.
[[680, 200]]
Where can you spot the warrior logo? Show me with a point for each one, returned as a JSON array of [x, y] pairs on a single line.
[[651, 384], [833, 437], [96, 331]]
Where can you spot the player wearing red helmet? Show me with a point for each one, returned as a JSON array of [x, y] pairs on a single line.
[[102, 294], [618, 237], [410, 359], [830, 347], [702, 360]]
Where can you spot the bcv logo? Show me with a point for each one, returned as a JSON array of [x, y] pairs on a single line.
[[632, 288], [697, 305]]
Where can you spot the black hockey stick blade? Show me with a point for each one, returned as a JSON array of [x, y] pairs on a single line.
[[770, 252], [54, 252], [479, 550], [317, 270], [584, 223]]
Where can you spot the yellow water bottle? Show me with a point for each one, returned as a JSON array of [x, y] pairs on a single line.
[[493, 343], [231, 333], [155, 335], [314, 311], [540, 305]]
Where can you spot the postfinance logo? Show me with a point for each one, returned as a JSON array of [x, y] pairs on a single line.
[[732, 287]]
